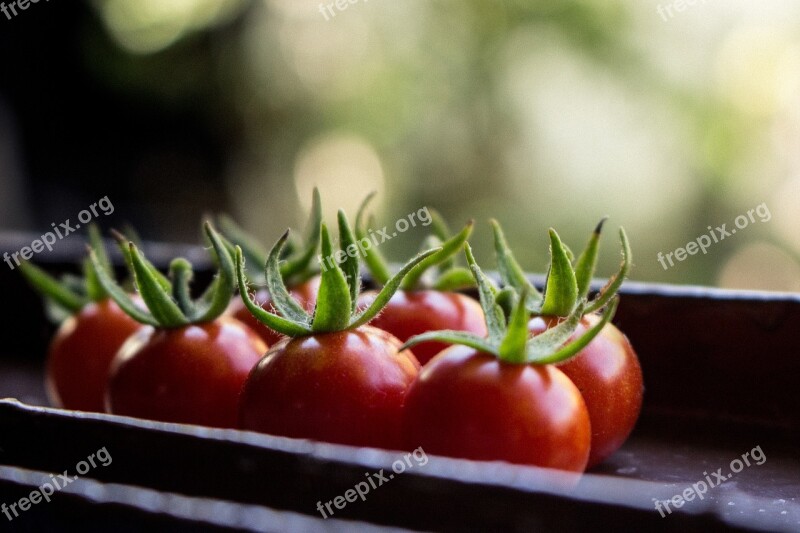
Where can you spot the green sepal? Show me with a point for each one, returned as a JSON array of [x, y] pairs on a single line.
[[349, 266], [94, 290], [334, 303], [448, 248], [510, 271], [388, 290], [235, 235], [571, 349], [180, 272], [442, 232], [452, 337], [52, 289], [561, 287], [122, 299], [223, 285], [454, 279], [271, 320], [615, 282], [376, 264], [158, 301], [299, 266], [550, 340], [281, 299], [493, 313], [125, 249], [512, 347], [584, 268]]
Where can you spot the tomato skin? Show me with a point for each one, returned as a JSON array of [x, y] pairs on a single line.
[[305, 294], [471, 405], [190, 375], [410, 313], [608, 374], [345, 387], [81, 352]]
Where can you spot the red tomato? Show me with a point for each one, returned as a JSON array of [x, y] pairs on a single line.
[[305, 294], [190, 375], [472, 405], [608, 374], [410, 313], [81, 352], [344, 387]]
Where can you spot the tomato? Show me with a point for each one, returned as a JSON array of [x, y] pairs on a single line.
[[81, 352], [191, 374], [305, 294], [410, 313], [609, 377], [473, 405], [345, 387]]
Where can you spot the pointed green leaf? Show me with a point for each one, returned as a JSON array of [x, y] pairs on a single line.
[[495, 319], [454, 279], [442, 232], [448, 248], [376, 264], [281, 299], [124, 247], [158, 301], [452, 337], [388, 290], [511, 272], [584, 268], [52, 289], [561, 287], [548, 341], [223, 285], [512, 347], [615, 282], [254, 252], [94, 291], [180, 272], [334, 303], [578, 344], [350, 264], [272, 321], [122, 299], [300, 264]]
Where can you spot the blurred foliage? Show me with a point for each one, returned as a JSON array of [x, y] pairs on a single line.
[[537, 113]]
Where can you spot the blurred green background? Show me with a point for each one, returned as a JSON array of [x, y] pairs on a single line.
[[537, 113]]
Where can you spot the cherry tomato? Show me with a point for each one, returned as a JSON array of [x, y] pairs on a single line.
[[192, 374], [345, 387], [81, 352], [305, 294], [608, 374], [472, 405], [410, 313]]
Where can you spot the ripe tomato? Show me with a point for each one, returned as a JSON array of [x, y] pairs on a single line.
[[345, 387], [411, 313], [191, 374], [81, 352], [473, 405], [305, 294], [609, 377]]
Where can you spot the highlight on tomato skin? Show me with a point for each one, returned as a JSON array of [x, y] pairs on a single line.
[[345, 387], [80, 355], [471, 405], [190, 375], [411, 313], [609, 377]]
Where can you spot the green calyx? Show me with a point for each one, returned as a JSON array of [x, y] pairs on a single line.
[[68, 295], [297, 263], [167, 298], [507, 317], [340, 285], [568, 280], [446, 277]]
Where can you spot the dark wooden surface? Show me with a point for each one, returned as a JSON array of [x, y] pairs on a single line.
[[720, 370]]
